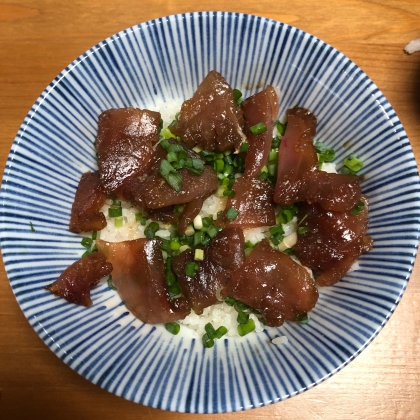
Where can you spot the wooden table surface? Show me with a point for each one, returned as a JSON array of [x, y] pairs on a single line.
[[39, 38]]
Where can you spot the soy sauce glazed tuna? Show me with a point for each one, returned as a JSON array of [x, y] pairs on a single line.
[[221, 202]]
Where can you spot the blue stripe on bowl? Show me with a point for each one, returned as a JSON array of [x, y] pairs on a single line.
[[164, 59]]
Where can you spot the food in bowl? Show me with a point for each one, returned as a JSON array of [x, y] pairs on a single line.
[[231, 208]]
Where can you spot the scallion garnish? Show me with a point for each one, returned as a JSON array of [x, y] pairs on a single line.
[[198, 254], [237, 95], [353, 164], [191, 268], [115, 212], [207, 341], [119, 221], [324, 154], [232, 213], [358, 208], [169, 173], [242, 318], [151, 230], [258, 128], [32, 227], [244, 147], [111, 283], [281, 128], [173, 327], [303, 318], [87, 242], [302, 230], [244, 329], [229, 300]]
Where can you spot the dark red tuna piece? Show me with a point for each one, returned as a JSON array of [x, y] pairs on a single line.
[[124, 145], [88, 200], [333, 241], [157, 193], [297, 157], [139, 276], [224, 254], [262, 107], [75, 282], [271, 282], [253, 200], [299, 178], [211, 118]]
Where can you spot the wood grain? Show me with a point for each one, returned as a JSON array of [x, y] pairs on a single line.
[[39, 38]]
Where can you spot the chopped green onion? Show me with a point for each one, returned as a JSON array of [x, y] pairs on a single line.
[[174, 291], [242, 318], [303, 318], [173, 327], [232, 213], [258, 128], [165, 144], [175, 245], [207, 341], [229, 193], [167, 134], [211, 332], [229, 300], [237, 95], [277, 229], [244, 147], [241, 306], [32, 227], [219, 165], [151, 230], [87, 242], [281, 128], [116, 203], [172, 177], [244, 329], [119, 221], [198, 238], [324, 154], [273, 156], [94, 234], [212, 231], [115, 212], [353, 163], [191, 268], [275, 143], [358, 208], [111, 283], [175, 148], [199, 255], [221, 331]]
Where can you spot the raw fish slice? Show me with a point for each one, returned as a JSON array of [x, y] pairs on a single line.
[[75, 282], [211, 118], [271, 282], [224, 254], [124, 145], [139, 276], [262, 107], [88, 200]]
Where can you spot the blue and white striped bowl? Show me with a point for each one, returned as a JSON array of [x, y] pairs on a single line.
[[167, 58]]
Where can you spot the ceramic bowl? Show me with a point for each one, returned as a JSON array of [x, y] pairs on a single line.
[[166, 59]]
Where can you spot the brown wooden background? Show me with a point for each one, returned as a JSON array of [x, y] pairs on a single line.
[[39, 38]]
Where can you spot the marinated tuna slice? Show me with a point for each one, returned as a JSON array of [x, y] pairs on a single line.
[[88, 200], [333, 240], [299, 178], [224, 254], [335, 192], [124, 145], [262, 107], [253, 203], [75, 282], [271, 282], [297, 157], [157, 193], [188, 214], [139, 276], [211, 118]]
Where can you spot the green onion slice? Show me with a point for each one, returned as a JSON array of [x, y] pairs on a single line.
[[258, 128], [303, 318], [232, 213], [173, 327], [244, 329], [358, 208]]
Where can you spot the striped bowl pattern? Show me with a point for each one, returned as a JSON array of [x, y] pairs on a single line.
[[167, 58]]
